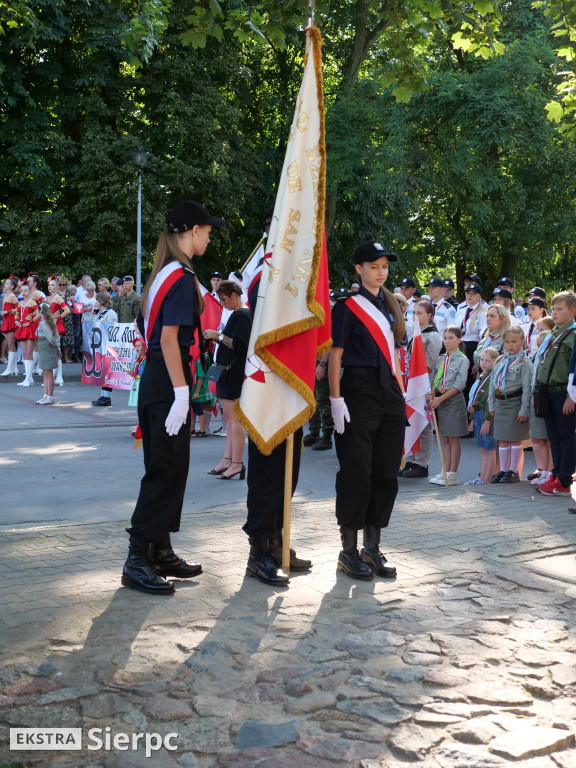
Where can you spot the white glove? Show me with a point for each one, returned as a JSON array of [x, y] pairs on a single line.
[[179, 411], [339, 413], [571, 387]]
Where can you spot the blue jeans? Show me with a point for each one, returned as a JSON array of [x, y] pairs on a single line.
[[562, 439]]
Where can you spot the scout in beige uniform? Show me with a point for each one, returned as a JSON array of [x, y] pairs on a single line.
[[482, 420], [448, 401], [509, 403]]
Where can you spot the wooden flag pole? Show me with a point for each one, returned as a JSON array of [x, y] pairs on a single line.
[[287, 503], [440, 448], [243, 267]]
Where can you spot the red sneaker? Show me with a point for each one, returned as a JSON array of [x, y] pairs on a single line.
[[560, 490], [549, 487]]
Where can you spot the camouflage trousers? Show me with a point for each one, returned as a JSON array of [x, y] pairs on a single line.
[[322, 420]]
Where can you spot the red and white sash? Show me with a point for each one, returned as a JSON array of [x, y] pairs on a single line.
[[377, 324], [164, 280]]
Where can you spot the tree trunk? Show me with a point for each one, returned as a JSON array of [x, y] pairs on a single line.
[[363, 40]]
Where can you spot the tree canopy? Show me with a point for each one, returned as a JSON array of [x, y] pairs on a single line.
[[436, 121]]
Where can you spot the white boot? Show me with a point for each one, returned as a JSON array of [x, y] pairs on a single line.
[[25, 379], [11, 368], [58, 380], [36, 360], [28, 367]]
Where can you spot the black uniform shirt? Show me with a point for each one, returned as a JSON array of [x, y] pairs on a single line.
[[350, 334], [180, 307]]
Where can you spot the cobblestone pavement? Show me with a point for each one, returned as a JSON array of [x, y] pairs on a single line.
[[466, 660]]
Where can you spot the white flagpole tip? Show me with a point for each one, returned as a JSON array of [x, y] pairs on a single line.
[[310, 22]]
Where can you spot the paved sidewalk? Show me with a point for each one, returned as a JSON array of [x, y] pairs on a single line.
[[466, 660]]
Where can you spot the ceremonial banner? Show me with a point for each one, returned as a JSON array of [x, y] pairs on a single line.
[[417, 388], [100, 366], [212, 310], [210, 320], [253, 267], [292, 317]]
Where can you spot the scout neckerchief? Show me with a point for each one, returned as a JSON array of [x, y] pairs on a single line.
[[443, 370], [530, 333], [164, 280], [487, 341], [506, 363], [548, 343], [545, 348], [477, 387], [378, 325]]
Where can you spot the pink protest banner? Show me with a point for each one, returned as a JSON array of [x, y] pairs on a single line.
[[107, 352]]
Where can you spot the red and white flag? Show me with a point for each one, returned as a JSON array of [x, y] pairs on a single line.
[[292, 319], [417, 387], [254, 265], [212, 310]]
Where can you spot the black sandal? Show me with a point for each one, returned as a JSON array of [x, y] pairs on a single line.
[[219, 472]]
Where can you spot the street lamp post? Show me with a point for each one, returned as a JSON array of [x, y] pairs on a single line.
[[140, 157]]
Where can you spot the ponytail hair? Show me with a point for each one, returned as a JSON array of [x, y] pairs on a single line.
[[168, 250], [456, 331], [395, 310], [48, 318]]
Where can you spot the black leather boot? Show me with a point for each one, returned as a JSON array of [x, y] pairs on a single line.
[[296, 563], [139, 573], [167, 562], [349, 560], [261, 564], [371, 554]]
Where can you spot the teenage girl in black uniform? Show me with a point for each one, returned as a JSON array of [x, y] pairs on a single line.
[[170, 313]]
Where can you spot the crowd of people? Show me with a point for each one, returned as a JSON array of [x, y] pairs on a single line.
[[500, 372], [22, 311]]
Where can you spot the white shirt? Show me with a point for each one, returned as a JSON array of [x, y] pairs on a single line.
[[530, 329], [444, 315], [410, 310], [476, 321]]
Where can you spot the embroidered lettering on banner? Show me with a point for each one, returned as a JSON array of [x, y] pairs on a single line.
[[302, 122], [294, 180], [293, 216]]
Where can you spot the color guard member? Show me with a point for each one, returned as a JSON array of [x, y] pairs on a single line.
[[171, 308], [369, 411]]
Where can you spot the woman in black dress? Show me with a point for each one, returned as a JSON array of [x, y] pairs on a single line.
[[232, 348]]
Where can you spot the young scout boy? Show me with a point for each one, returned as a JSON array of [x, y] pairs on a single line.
[[553, 363]]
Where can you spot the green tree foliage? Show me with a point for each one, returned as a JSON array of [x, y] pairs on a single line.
[[469, 175], [562, 16], [435, 144]]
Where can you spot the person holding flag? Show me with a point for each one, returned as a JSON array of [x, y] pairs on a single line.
[[369, 411], [291, 329], [424, 349], [170, 315]]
